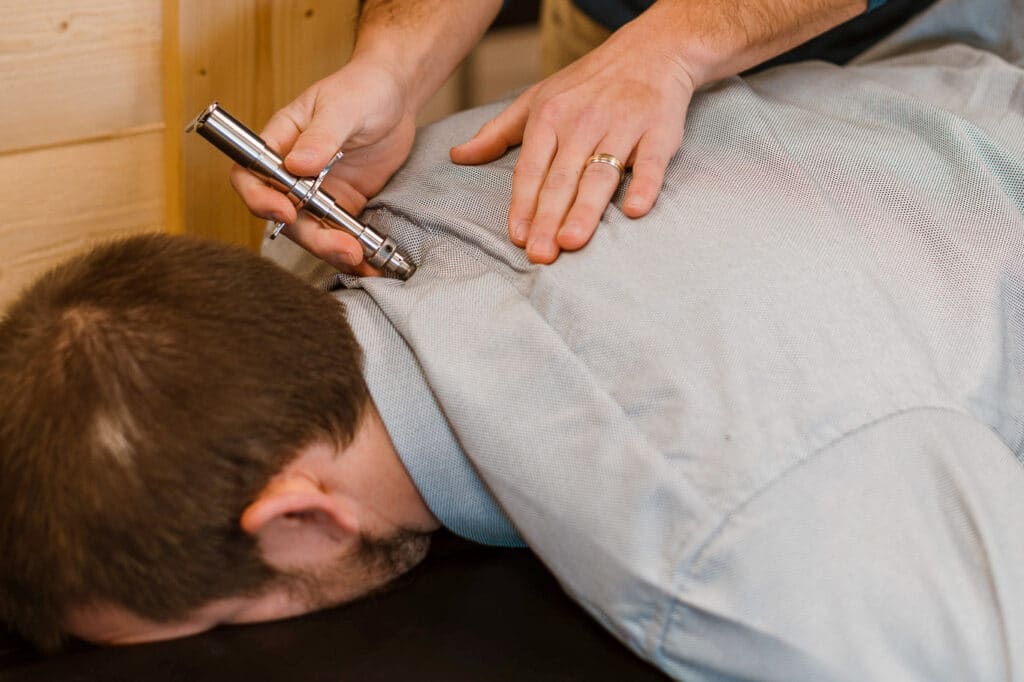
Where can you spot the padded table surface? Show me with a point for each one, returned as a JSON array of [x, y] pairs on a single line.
[[467, 613]]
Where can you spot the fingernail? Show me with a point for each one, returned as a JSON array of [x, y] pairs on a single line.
[[520, 230], [570, 230], [540, 249], [345, 259]]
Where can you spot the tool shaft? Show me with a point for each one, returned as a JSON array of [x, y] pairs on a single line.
[[249, 151]]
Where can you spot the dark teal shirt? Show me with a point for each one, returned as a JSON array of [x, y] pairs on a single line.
[[838, 45]]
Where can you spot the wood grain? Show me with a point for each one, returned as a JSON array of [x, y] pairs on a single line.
[[97, 94], [253, 56], [73, 70], [173, 173], [70, 197]]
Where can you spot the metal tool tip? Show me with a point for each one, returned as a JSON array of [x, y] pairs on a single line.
[[199, 120]]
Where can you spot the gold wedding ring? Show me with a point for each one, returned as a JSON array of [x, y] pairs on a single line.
[[611, 160]]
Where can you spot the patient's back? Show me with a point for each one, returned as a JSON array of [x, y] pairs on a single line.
[[828, 249], [826, 299]]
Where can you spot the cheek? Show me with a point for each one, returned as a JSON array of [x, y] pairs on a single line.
[[386, 559], [275, 605], [115, 626], [163, 631]]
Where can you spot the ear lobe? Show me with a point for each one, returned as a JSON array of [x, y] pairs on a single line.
[[297, 523]]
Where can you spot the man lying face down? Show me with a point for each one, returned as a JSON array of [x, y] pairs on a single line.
[[173, 417], [771, 431]]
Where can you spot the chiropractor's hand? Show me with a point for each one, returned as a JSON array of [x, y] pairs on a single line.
[[627, 98], [361, 109]]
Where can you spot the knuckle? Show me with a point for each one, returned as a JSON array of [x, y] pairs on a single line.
[[651, 161], [237, 183], [645, 185], [559, 178], [589, 209], [640, 180], [488, 128], [544, 223], [592, 117], [587, 215], [526, 170], [551, 110], [602, 170]]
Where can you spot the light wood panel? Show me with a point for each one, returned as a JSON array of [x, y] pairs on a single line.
[[97, 93], [74, 196], [253, 56], [81, 130], [172, 112], [73, 70]]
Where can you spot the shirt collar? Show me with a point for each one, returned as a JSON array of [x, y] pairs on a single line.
[[419, 430]]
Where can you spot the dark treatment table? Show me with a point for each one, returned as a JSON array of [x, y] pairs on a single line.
[[467, 613]]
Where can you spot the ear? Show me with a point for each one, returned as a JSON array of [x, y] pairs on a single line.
[[299, 525]]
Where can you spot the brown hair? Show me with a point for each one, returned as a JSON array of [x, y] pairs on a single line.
[[150, 389]]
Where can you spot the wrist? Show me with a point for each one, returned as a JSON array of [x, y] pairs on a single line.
[[420, 42], [392, 85], [649, 47], [712, 40]]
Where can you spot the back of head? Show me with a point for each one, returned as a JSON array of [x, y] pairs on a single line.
[[150, 389]]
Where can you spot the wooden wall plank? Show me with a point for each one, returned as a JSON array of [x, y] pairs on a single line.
[[173, 112], [72, 70], [70, 197], [253, 56]]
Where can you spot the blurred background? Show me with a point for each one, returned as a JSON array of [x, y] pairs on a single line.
[[98, 93]]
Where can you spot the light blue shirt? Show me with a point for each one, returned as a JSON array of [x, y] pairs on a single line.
[[429, 450], [772, 430]]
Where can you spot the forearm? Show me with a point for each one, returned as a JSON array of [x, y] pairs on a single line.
[[421, 41], [713, 39]]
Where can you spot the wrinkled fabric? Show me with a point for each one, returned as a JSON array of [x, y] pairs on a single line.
[[774, 429]]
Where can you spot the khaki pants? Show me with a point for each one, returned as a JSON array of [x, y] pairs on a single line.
[[566, 34]]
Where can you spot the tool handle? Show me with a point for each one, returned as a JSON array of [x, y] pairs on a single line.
[[249, 151]]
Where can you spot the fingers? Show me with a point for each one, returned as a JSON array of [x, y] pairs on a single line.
[[307, 139], [597, 187], [317, 144], [334, 246], [573, 193], [271, 204], [653, 153], [559, 192], [557, 201], [283, 133], [314, 149], [527, 179], [377, 134], [282, 130], [495, 137], [339, 185], [264, 201]]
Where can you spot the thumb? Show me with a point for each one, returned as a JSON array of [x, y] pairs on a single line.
[[495, 137], [314, 148]]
